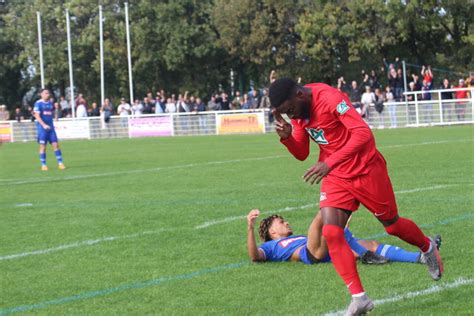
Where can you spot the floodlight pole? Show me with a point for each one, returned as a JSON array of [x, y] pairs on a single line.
[[130, 79], [40, 45], [101, 41], [69, 53]]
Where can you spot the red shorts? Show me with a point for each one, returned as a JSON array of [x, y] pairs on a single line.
[[374, 190]]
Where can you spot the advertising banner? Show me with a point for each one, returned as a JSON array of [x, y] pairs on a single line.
[[150, 126], [5, 132], [245, 123], [72, 129]]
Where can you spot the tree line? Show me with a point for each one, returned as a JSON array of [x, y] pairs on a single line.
[[192, 45]]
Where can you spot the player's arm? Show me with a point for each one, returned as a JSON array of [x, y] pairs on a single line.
[[316, 243], [295, 139], [37, 116], [255, 254]]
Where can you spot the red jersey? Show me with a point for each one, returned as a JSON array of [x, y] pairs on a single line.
[[461, 94], [346, 143]]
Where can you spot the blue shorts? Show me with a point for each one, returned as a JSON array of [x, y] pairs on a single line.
[[45, 136], [307, 258]]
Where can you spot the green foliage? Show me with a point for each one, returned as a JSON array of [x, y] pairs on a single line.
[[192, 45]]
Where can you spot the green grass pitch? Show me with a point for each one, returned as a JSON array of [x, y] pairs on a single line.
[[156, 226]]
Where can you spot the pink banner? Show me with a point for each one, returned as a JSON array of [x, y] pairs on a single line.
[[150, 126]]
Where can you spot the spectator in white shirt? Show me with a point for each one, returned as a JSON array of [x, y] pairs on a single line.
[[170, 106]]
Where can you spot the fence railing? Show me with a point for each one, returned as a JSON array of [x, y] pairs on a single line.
[[438, 111]]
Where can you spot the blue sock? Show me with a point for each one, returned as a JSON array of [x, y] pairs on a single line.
[[398, 254], [43, 158], [59, 157], [352, 241]]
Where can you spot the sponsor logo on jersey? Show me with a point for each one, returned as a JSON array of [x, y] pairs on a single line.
[[322, 196], [285, 243], [342, 107], [317, 135]]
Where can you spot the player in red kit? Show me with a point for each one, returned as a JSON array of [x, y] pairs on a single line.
[[352, 171]]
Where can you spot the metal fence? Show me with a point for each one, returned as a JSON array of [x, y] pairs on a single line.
[[437, 111]]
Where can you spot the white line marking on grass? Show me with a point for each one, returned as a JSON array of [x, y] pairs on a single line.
[[401, 297], [233, 218], [295, 208], [427, 143], [79, 244], [125, 172], [201, 226], [23, 204]]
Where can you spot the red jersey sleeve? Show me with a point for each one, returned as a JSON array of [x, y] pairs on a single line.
[[298, 142], [360, 133]]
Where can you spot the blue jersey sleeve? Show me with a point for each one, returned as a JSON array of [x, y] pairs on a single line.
[[37, 107], [267, 250]]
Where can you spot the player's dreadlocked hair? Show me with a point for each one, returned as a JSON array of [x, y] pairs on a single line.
[[265, 226]]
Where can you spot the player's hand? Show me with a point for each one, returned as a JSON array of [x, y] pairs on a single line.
[[316, 173], [252, 217], [46, 126], [282, 127]]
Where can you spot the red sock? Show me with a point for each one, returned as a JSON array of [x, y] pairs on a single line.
[[342, 257], [408, 231]]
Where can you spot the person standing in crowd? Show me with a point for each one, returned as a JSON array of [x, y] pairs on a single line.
[[43, 112], [461, 105], [426, 96], [379, 106], [170, 106], [399, 84], [245, 102], [95, 110], [148, 107], [124, 110], [224, 102], [107, 110], [427, 75], [137, 108], [65, 106], [393, 83], [368, 98], [236, 102], [57, 111], [392, 110], [447, 95], [81, 106], [355, 94], [212, 105]]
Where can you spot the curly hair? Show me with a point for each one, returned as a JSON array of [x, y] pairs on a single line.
[[265, 226]]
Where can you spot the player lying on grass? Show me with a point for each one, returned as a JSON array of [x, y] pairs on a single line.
[[280, 244]]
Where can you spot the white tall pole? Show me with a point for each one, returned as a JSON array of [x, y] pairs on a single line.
[[101, 41], [40, 45], [130, 79], [69, 53]]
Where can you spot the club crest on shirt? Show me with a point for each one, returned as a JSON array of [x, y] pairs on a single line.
[[317, 135], [342, 107]]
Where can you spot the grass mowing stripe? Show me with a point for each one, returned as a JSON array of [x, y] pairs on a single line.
[[125, 172], [105, 239], [400, 297], [122, 288], [80, 244], [233, 218], [287, 209], [439, 223]]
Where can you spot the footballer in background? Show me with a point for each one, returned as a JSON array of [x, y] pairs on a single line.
[[43, 111]]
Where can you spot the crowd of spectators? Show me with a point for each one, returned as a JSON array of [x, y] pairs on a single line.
[[370, 91], [374, 89]]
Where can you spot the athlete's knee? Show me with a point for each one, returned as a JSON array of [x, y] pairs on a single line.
[[389, 222], [332, 233]]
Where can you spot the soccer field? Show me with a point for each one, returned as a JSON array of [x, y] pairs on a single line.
[[157, 226]]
